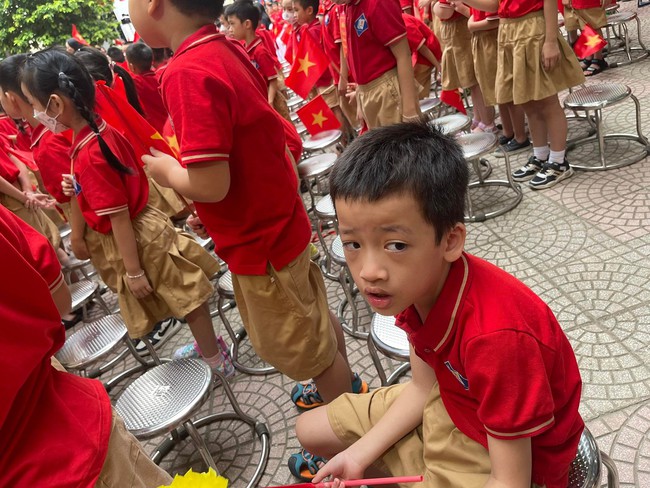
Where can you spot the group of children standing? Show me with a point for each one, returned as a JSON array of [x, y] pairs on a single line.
[[235, 162]]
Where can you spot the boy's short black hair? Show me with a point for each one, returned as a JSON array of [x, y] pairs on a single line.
[[140, 56], [116, 54], [210, 9], [244, 10], [305, 4], [409, 158]]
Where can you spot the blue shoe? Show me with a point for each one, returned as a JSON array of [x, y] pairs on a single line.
[[305, 395]]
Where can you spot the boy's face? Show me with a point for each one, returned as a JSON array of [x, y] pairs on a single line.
[[237, 28], [303, 16], [140, 12], [392, 253]]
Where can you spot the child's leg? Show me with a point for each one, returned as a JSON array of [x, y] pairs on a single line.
[[483, 114], [547, 122], [200, 324], [316, 435]]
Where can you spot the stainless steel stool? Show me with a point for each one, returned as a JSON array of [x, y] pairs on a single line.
[[428, 105], [325, 214], [83, 292], [476, 146], [392, 341], [294, 103], [65, 230], [595, 98], [617, 25], [350, 291], [300, 128], [321, 141], [586, 467], [75, 265], [452, 124], [313, 171], [167, 396], [226, 299]]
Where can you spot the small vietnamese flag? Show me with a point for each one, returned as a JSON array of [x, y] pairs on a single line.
[[317, 116], [77, 36], [588, 43], [453, 99], [309, 63]]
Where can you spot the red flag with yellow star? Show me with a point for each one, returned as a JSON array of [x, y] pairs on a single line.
[[588, 43], [77, 36], [317, 116], [309, 63]]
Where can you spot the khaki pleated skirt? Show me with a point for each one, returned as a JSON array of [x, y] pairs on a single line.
[[36, 218], [164, 199], [521, 77], [178, 269], [485, 51], [457, 61]]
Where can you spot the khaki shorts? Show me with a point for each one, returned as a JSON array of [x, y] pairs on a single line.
[[126, 464], [349, 109], [422, 75], [35, 218], [330, 94], [164, 199], [287, 319], [457, 61], [381, 101], [485, 52], [521, 77], [595, 17], [436, 449]]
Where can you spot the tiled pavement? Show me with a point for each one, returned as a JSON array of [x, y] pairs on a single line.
[[583, 246]]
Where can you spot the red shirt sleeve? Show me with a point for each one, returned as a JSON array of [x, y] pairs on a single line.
[[386, 22], [101, 185], [413, 36], [513, 387], [265, 63], [8, 170]]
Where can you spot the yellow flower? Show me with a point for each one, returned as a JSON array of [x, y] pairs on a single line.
[[198, 480]]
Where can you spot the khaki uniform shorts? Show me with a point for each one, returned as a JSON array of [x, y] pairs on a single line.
[[422, 75], [381, 101], [330, 94], [35, 218], [164, 199], [287, 319], [126, 464], [595, 17], [485, 52], [349, 109], [457, 61], [521, 77]]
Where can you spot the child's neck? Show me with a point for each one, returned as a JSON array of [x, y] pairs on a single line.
[[182, 27], [249, 37]]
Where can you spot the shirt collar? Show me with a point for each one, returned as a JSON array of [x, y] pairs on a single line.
[[256, 42], [37, 134], [204, 34], [440, 324], [85, 136]]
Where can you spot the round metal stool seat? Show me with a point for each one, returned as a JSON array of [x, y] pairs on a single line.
[[475, 146], [391, 341], [452, 124], [81, 292], [611, 9], [324, 209], [294, 117], [322, 140], [294, 102], [300, 128], [338, 256], [619, 17], [617, 25], [428, 105], [593, 99], [92, 342], [586, 467], [75, 264], [164, 396], [316, 166], [65, 231], [225, 287]]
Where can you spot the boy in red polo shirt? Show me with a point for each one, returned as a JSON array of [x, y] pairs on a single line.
[[139, 57], [244, 17], [495, 388], [426, 52], [379, 59], [235, 168]]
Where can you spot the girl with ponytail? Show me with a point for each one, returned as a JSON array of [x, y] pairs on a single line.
[[157, 273]]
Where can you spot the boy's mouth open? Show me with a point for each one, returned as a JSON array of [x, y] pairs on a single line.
[[378, 299]]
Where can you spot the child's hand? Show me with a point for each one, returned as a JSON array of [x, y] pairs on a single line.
[[68, 185], [40, 200], [79, 249], [140, 286], [550, 54], [342, 466], [197, 227], [160, 165]]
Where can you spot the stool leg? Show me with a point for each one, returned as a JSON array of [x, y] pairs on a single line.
[[98, 297], [638, 33], [626, 39], [601, 136], [199, 442], [637, 105], [612, 472], [376, 361]]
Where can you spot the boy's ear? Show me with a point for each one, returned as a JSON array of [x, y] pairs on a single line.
[[153, 6], [453, 242]]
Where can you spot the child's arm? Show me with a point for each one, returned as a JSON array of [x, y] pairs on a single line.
[[32, 199], [426, 52], [441, 12], [274, 87], [481, 25], [404, 415], [406, 79], [550, 49], [23, 177], [126, 244], [77, 231], [202, 182], [10, 190], [511, 462]]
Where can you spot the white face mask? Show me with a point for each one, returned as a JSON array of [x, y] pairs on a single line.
[[223, 29], [50, 122], [287, 16]]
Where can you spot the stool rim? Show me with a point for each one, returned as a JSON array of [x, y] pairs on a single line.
[[489, 144], [390, 350], [317, 165], [571, 101]]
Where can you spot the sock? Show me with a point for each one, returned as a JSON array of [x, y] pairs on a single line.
[[541, 153], [556, 157], [215, 361]]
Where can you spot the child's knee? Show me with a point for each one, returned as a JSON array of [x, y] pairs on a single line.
[[315, 433]]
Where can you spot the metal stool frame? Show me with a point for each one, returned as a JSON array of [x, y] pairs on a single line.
[[378, 327], [618, 21], [324, 213], [585, 470]]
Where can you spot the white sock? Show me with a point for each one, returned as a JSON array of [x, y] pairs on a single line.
[[541, 152], [556, 156]]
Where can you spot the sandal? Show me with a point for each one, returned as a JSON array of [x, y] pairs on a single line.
[[305, 395], [596, 66], [584, 64], [77, 316], [304, 465]]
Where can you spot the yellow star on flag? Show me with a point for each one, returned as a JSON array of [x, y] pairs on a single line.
[[319, 119], [592, 41], [305, 64]]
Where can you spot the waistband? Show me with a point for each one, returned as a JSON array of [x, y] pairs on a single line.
[[537, 13]]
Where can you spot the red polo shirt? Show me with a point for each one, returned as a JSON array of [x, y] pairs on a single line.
[[418, 35], [8, 170], [406, 4], [503, 363], [582, 4], [269, 43], [105, 190], [331, 38], [372, 26], [224, 115], [513, 9], [52, 156], [262, 59], [54, 426], [149, 94], [481, 15]]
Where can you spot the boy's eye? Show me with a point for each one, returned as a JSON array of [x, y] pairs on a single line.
[[396, 246], [351, 245]]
